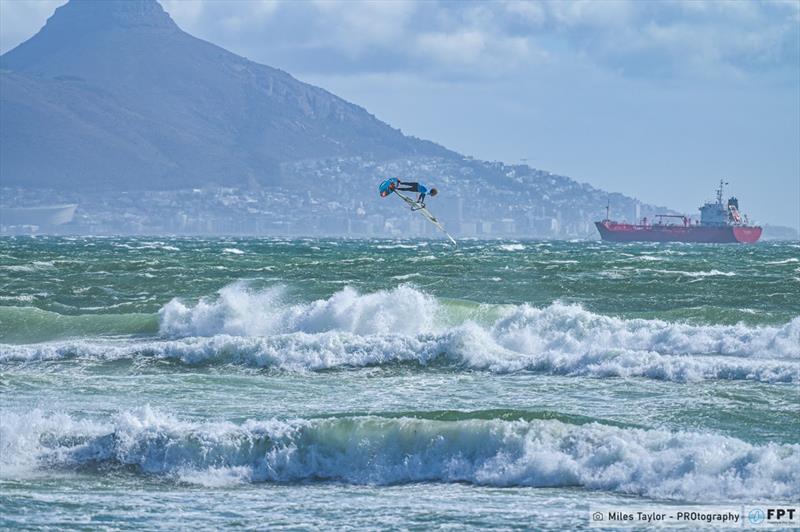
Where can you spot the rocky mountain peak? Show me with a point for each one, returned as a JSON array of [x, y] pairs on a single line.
[[90, 15]]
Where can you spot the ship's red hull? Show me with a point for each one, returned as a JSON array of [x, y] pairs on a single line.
[[622, 232]]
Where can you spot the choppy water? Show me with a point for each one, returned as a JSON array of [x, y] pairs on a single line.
[[212, 382]]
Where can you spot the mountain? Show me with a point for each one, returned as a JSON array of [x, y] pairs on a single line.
[[113, 107], [115, 95]]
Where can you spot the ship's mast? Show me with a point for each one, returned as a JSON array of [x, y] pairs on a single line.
[[608, 206], [722, 183]]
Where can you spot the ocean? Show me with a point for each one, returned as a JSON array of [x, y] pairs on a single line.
[[152, 383]]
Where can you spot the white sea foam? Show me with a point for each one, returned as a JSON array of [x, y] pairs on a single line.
[[36, 265], [375, 450], [401, 246], [468, 346], [21, 438], [406, 276], [19, 268], [702, 273], [711, 273], [511, 247], [258, 328], [22, 297], [233, 251], [240, 311]]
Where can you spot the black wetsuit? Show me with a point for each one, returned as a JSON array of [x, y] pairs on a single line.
[[413, 186]]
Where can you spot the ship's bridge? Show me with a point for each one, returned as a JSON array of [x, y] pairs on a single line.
[[713, 214]]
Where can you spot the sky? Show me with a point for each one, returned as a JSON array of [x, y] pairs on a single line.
[[656, 99]]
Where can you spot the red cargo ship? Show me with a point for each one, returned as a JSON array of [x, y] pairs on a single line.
[[719, 223]]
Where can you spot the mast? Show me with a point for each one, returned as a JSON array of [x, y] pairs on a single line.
[[722, 183]]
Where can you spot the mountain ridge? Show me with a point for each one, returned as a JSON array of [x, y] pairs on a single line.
[[111, 100], [223, 118]]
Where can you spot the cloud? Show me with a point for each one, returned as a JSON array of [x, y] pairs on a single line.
[[705, 39], [484, 40], [357, 26], [472, 51], [231, 15], [607, 15]]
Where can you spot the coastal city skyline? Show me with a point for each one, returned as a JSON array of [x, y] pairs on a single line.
[[581, 90]]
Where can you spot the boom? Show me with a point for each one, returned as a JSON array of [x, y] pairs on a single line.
[[416, 207]]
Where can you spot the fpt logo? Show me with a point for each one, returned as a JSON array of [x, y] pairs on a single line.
[[773, 516], [780, 514]]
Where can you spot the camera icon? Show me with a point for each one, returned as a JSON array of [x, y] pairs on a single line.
[[597, 516]]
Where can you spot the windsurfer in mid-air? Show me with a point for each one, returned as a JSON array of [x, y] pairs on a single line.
[[393, 186], [419, 188]]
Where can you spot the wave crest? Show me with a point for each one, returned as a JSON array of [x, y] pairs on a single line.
[[242, 312], [406, 325], [377, 450], [570, 328]]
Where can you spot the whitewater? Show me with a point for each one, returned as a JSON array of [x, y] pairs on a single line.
[[238, 378]]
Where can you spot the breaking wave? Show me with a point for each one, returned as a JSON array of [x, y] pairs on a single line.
[[405, 325], [242, 312], [378, 450]]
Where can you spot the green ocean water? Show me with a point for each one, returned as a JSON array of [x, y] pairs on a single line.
[[175, 382]]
